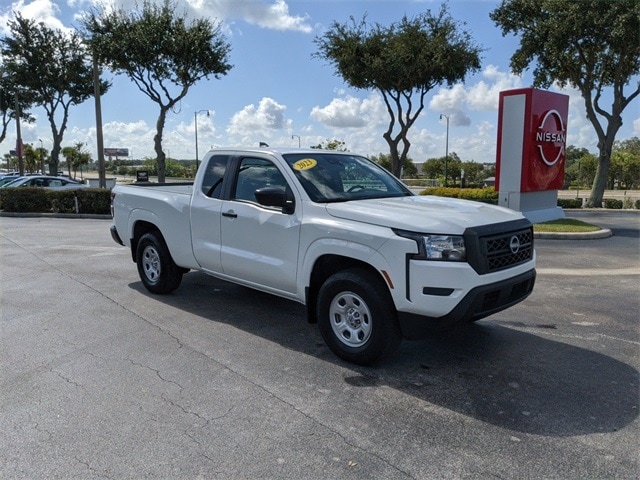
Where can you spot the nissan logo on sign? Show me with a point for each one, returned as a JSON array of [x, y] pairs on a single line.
[[514, 244], [551, 137]]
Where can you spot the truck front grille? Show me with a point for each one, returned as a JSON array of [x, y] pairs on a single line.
[[507, 250], [498, 247]]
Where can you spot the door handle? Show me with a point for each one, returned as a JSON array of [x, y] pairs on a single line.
[[230, 214]]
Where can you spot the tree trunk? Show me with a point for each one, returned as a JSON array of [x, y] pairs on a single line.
[[396, 165], [157, 144], [605, 146], [54, 160]]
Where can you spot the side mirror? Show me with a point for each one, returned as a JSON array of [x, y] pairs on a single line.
[[275, 197]]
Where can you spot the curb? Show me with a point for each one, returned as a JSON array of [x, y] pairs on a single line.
[[94, 216], [603, 233]]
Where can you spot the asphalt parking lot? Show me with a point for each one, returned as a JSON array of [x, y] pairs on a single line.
[[100, 379]]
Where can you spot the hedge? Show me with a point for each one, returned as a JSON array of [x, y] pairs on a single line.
[[612, 203], [486, 195], [570, 202], [40, 200], [489, 195]]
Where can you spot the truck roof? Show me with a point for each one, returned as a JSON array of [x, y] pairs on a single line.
[[276, 150]]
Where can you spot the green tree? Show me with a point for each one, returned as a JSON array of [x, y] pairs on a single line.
[[160, 51], [409, 169], [10, 94], [625, 169], [592, 45], [474, 173], [402, 61], [631, 145], [573, 165], [626, 154], [52, 67], [582, 170], [76, 157], [332, 144], [435, 167], [30, 158]]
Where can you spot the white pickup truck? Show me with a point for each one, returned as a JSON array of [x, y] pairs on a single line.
[[372, 262]]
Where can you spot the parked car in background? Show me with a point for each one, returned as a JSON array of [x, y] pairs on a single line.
[[45, 181], [8, 179]]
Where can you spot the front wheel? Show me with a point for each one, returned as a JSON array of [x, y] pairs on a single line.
[[157, 270], [356, 316]]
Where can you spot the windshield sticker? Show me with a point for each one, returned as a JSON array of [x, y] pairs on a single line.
[[305, 164]]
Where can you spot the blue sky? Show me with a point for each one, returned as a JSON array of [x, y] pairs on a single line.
[[277, 93]]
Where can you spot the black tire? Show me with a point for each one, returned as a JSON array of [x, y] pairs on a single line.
[[357, 317], [157, 270]]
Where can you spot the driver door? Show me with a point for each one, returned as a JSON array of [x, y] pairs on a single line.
[[259, 243]]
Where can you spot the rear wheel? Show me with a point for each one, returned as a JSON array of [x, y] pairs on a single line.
[[157, 270], [356, 316]]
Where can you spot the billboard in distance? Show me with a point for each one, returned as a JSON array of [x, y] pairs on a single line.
[[116, 152]]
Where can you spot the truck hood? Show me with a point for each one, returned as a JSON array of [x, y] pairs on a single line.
[[422, 213]]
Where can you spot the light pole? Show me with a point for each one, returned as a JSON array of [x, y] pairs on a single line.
[[294, 136], [195, 124], [41, 156], [446, 151]]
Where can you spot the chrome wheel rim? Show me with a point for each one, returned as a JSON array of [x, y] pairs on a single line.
[[151, 264], [350, 319]]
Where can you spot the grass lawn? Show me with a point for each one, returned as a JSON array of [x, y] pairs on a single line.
[[565, 225]]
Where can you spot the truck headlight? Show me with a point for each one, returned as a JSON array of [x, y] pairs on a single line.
[[437, 247]]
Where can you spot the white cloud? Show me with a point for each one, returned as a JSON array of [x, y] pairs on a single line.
[[44, 11], [253, 124], [273, 16], [482, 96], [351, 112], [340, 113]]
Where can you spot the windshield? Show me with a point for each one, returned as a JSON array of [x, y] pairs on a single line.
[[332, 177]]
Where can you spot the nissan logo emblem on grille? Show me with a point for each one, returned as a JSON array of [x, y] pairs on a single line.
[[514, 244]]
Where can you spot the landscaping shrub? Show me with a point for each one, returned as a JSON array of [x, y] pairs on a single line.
[[39, 200], [612, 203], [62, 201], [486, 195], [638, 204], [24, 200], [570, 202], [94, 200]]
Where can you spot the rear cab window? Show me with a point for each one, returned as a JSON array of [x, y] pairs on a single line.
[[214, 176]]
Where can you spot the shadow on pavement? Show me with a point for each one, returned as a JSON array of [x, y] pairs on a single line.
[[499, 375]]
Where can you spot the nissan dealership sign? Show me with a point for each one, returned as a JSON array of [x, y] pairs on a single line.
[[530, 160]]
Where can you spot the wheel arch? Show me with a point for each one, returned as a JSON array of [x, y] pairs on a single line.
[[325, 266], [140, 228]]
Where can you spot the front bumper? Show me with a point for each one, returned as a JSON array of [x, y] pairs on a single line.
[[478, 303]]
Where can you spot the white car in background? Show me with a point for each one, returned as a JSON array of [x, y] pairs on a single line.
[[45, 181]]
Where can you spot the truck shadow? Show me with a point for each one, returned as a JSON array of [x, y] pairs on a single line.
[[490, 371]]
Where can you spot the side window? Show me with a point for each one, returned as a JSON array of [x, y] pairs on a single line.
[[212, 181], [255, 173]]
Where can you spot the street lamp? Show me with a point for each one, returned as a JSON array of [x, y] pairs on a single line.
[[41, 155], [294, 136], [446, 154], [195, 123]]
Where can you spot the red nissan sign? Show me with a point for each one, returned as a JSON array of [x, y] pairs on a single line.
[[544, 135]]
